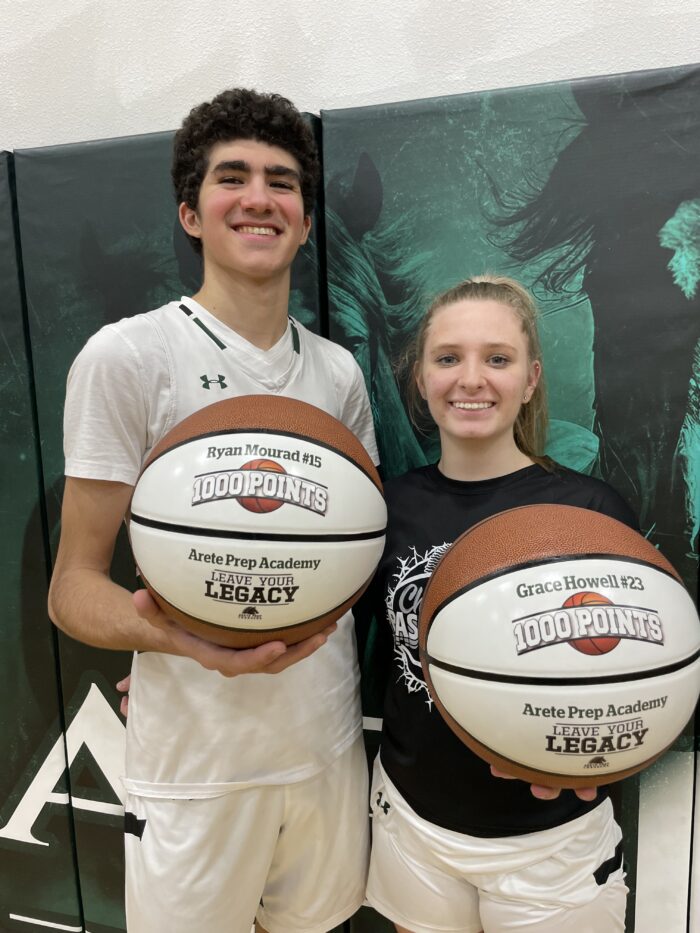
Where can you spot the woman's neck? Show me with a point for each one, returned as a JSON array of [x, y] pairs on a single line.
[[471, 461]]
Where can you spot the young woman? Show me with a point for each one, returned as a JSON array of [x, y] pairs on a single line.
[[457, 848]]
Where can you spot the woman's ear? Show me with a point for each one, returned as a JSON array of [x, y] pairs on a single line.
[[418, 376], [533, 379]]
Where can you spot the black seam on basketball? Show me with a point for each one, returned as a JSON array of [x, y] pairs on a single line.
[[526, 565], [560, 681], [252, 535], [279, 432]]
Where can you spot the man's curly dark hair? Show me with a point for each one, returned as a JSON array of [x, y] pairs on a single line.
[[240, 113]]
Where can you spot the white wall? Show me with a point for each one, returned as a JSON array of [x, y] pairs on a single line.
[[85, 69]]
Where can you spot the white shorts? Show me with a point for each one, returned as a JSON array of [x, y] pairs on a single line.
[[424, 878], [294, 856]]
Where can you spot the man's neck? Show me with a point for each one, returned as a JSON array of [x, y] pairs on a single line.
[[256, 310]]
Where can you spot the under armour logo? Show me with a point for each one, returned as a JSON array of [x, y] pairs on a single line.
[[207, 383], [385, 806]]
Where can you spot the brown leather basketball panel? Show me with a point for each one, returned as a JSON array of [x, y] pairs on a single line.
[[273, 413], [528, 534]]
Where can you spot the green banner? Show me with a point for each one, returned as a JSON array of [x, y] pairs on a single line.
[[587, 192], [100, 241], [38, 883]]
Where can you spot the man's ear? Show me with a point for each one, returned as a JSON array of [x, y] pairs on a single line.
[[189, 218], [306, 229]]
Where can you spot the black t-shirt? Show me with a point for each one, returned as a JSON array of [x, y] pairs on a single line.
[[441, 779]]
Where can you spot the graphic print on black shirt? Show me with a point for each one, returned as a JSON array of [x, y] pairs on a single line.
[[403, 601]]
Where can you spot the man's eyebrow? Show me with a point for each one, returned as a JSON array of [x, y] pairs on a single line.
[[239, 165], [282, 171], [232, 165]]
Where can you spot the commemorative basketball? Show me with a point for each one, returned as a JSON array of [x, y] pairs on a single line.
[[257, 519], [560, 646]]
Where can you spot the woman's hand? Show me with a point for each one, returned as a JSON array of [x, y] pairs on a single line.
[[548, 793]]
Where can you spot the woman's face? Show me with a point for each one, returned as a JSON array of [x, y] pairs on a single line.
[[475, 371]]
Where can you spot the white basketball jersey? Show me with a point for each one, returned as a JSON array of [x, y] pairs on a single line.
[[189, 727]]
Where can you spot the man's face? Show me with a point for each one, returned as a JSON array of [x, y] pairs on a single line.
[[250, 215]]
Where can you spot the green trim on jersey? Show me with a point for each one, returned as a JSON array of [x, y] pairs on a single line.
[[296, 342], [219, 343], [296, 345]]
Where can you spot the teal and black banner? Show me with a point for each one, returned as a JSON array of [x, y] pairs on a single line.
[[38, 878], [96, 230], [589, 194]]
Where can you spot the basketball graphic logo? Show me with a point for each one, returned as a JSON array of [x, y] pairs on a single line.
[[595, 644], [500, 614], [262, 503]]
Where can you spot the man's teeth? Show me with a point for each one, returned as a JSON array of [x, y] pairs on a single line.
[[264, 231], [472, 406]]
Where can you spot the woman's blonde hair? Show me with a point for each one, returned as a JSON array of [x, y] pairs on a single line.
[[530, 429]]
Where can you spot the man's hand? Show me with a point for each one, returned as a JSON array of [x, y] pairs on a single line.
[[548, 793], [270, 658]]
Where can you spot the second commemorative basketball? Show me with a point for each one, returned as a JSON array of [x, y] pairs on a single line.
[[256, 519], [560, 645]]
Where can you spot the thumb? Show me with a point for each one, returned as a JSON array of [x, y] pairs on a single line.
[[146, 606]]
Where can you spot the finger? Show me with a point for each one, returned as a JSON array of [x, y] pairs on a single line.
[[124, 684], [544, 793], [145, 605], [586, 794], [230, 662], [149, 610], [496, 772], [270, 658], [124, 706], [302, 650], [295, 654]]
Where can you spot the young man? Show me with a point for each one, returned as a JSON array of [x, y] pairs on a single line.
[[246, 794]]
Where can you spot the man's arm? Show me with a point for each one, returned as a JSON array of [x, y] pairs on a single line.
[[86, 604]]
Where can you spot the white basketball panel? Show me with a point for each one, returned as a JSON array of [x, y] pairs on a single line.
[[200, 483], [516, 623], [572, 730], [253, 584]]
